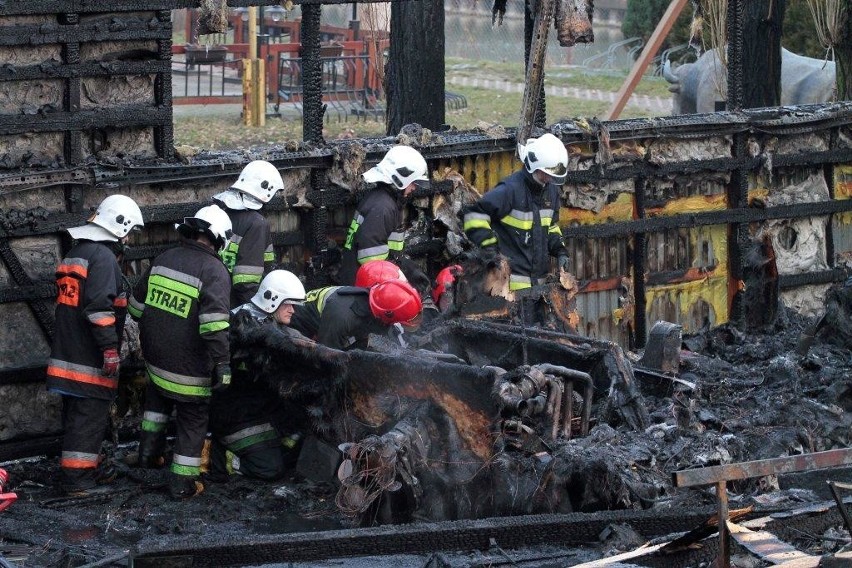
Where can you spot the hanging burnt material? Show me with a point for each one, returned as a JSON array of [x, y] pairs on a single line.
[[213, 17], [573, 22]]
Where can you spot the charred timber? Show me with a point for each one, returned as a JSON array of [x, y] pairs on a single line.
[[55, 70], [48, 121], [113, 29]]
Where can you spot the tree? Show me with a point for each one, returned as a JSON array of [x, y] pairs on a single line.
[[414, 77]]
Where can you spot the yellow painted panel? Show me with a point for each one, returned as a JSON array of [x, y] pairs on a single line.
[[619, 210], [842, 219], [712, 290], [843, 181], [692, 204], [483, 171]]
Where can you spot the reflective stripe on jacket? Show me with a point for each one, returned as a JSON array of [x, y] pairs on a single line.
[[375, 231], [90, 309], [249, 254], [522, 219], [184, 323]]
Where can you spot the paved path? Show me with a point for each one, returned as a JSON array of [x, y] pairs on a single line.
[[657, 105]]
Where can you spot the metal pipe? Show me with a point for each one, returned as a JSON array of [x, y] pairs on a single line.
[[573, 374], [567, 409], [553, 404]]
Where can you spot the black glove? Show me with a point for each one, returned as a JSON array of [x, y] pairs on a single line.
[[563, 262], [221, 377]]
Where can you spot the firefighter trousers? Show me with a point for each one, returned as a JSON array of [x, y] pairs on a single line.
[[84, 421], [190, 425], [260, 458]]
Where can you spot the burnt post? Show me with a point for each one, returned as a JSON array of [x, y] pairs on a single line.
[[738, 235], [311, 74], [414, 77], [535, 47], [761, 53], [843, 55], [532, 25]]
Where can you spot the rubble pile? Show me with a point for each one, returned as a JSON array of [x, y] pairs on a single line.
[[444, 448]]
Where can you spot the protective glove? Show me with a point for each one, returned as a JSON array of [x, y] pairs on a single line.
[[489, 254], [111, 361], [221, 377], [562, 261]]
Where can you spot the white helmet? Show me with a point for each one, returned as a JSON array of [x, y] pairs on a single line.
[[210, 220], [546, 153], [401, 166], [258, 182], [116, 216], [279, 287]]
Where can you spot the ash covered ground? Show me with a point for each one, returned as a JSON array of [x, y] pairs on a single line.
[[754, 398]]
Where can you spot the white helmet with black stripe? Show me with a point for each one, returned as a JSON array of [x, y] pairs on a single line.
[[279, 287], [547, 154], [401, 166]]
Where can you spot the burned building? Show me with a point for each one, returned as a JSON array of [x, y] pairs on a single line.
[[711, 223]]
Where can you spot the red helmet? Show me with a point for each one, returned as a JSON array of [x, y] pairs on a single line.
[[371, 273], [395, 301], [446, 276]]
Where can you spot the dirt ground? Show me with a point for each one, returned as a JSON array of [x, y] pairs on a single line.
[[754, 399]]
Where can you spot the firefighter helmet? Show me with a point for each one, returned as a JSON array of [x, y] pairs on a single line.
[[279, 287], [115, 217], [445, 277], [401, 166], [546, 153], [371, 273], [395, 301], [258, 183], [210, 220]]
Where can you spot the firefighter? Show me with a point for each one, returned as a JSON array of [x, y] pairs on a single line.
[[376, 231], [241, 418], [343, 317], [520, 216], [84, 358], [182, 308], [249, 253]]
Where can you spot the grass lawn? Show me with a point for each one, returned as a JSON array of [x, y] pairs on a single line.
[[217, 131]]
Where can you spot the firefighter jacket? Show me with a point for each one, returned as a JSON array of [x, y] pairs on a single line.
[[338, 317], [375, 232], [182, 308], [522, 219], [248, 255], [240, 416], [91, 304]]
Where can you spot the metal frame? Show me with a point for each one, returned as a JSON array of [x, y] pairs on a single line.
[[719, 475]]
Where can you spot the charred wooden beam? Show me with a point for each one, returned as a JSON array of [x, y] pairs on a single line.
[[123, 30], [128, 115], [760, 468]]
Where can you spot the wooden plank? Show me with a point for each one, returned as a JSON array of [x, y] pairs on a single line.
[[643, 550], [767, 546], [760, 468], [648, 53]]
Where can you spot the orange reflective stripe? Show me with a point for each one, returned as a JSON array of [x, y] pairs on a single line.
[[76, 463], [104, 322], [75, 269], [82, 377], [120, 303]]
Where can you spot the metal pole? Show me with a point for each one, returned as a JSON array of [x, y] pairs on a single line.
[[724, 558]]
